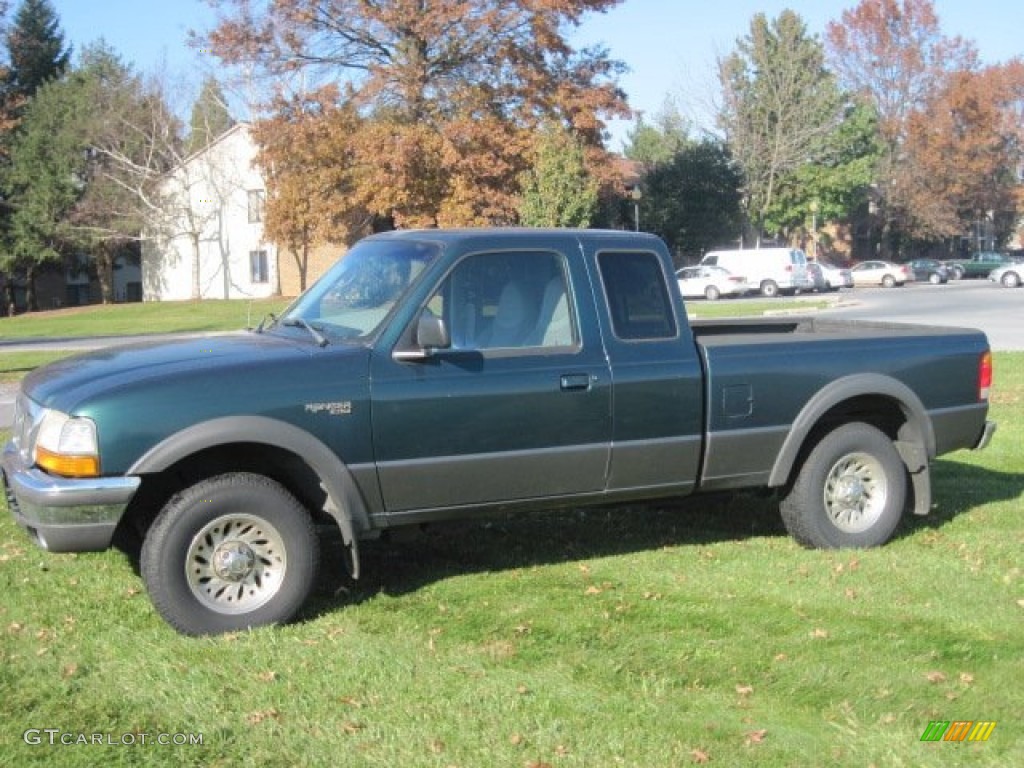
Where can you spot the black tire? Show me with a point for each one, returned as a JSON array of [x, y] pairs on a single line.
[[1011, 280], [231, 552], [711, 293], [849, 492], [889, 281], [958, 273], [935, 278], [769, 289]]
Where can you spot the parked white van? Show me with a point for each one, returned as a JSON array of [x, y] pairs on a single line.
[[770, 270]]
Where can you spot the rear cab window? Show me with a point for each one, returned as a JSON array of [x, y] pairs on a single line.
[[639, 302]]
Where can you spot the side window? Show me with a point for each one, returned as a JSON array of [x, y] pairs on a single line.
[[507, 300], [638, 299]]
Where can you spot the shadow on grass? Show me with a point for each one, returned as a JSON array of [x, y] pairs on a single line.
[[404, 564], [407, 562]]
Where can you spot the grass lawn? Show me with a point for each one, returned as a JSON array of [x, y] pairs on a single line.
[[671, 635], [147, 317]]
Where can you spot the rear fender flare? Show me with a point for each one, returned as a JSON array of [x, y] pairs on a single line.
[[916, 443], [344, 501]]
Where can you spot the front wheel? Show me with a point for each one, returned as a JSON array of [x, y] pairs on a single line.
[[231, 552], [1011, 280], [888, 281], [934, 278], [849, 492], [711, 293]]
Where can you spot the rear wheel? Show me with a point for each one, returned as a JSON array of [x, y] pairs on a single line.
[[1011, 280], [849, 492], [934, 278], [711, 293], [231, 552], [958, 273], [888, 281], [769, 289]]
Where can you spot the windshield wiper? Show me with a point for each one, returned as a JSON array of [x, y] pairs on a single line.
[[263, 323], [319, 338]]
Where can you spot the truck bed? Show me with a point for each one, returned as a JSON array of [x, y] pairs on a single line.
[[724, 332]]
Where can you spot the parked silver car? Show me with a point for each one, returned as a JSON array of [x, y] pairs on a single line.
[[710, 282], [833, 277], [1010, 275]]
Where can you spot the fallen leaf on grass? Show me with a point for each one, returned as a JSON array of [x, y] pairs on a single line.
[[744, 690], [255, 718], [966, 678], [935, 677], [700, 756], [755, 737], [350, 728], [267, 677], [819, 633], [437, 746], [69, 670]]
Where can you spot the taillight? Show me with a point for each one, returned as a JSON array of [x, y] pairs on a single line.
[[984, 376]]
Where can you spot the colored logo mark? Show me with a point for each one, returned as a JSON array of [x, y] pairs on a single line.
[[958, 730]]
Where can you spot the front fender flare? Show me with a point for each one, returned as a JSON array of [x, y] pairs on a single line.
[[345, 503], [848, 388]]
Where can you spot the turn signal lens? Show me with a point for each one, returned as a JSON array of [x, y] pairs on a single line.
[[67, 466]]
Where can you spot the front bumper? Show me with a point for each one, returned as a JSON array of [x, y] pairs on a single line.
[[64, 514]]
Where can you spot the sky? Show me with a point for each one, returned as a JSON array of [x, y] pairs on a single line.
[[670, 46]]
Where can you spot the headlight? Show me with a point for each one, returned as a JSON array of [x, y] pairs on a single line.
[[67, 446]]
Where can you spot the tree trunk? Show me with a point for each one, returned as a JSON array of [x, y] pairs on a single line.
[[194, 237]]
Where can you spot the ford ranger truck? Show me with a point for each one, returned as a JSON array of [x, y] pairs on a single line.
[[432, 375]]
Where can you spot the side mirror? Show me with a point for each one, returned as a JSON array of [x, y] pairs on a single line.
[[431, 334]]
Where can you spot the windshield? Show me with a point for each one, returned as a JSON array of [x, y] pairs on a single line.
[[352, 299]]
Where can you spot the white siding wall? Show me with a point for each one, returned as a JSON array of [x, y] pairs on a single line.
[[210, 196]]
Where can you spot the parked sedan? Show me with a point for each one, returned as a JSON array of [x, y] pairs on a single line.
[[833, 276], [931, 270], [1010, 275], [883, 273], [710, 282]]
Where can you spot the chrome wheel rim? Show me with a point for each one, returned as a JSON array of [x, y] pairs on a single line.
[[855, 492], [236, 563]]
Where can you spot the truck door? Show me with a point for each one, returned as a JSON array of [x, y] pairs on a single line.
[[518, 407], [657, 432]]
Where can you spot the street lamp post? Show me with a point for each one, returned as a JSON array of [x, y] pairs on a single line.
[[636, 194]]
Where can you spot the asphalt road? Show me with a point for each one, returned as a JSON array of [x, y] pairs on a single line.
[[997, 311]]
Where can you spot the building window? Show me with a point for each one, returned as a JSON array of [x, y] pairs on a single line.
[[258, 266], [256, 197]]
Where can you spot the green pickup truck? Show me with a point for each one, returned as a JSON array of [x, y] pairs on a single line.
[[432, 375]]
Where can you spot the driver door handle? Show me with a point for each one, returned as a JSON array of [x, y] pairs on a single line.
[[575, 381]]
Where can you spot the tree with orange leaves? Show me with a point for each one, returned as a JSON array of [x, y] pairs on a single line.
[[964, 149], [893, 54], [440, 98]]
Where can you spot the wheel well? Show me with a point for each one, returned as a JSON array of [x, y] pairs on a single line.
[[884, 413], [278, 464]]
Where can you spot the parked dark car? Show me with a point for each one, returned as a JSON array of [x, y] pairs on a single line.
[[930, 270]]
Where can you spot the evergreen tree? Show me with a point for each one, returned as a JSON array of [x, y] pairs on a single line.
[[558, 191], [210, 116], [780, 106], [35, 46]]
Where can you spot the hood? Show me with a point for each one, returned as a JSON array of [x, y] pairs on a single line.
[[68, 382]]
